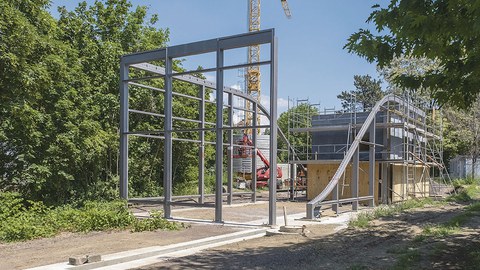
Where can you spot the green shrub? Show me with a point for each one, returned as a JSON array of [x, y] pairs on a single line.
[[11, 204], [461, 196], [24, 220], [155, 222]]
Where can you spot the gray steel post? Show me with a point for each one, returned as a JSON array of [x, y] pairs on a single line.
[[201, 152], [355, 170], [371, 167], [254, 152], [310, 211], [123, 131], [230, 150], [384, 183], [273, 132], [219, 139], [168, 142], [293, 176], [386, 156], [335, 198]]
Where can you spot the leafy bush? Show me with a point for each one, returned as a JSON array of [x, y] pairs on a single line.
[[154, 222], [24, 220]]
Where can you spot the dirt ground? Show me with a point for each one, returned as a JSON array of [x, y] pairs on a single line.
[[388, 244], [58, 249]]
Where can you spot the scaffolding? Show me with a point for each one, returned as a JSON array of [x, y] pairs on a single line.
[[402, 135]]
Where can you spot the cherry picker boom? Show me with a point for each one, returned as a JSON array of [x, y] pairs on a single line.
[[263, 173]]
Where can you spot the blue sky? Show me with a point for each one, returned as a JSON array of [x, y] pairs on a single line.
[[312, 62]]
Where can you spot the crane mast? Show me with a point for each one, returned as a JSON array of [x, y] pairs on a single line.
[[253, 72], [253, 75]]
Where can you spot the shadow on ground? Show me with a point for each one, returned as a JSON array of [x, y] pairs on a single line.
[[389, 244]]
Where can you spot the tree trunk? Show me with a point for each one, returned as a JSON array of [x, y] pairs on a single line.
[[474, 161]]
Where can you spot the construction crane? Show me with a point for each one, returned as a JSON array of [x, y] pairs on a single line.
[[253, 72]]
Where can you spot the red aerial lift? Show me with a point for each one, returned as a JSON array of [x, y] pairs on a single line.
[[263, 173]]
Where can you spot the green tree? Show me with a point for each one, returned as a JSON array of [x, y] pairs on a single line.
[[59, 109], [444, 31], [367, 92], [463, 132], [46, 129], [102, 33], [297, 117]]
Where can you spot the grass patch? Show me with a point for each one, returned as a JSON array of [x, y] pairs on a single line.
[[439, 231], [438, 249], [474, 257], [467, 190], [363, 219], [357, 267], [475, 207], [22, 220], [407, 259], [453, 225]]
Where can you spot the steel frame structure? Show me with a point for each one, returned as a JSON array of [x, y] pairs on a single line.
[[143, 61]]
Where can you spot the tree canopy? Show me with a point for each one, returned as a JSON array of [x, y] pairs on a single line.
[[367, 92], [444, 31], [59, 102], [299, 116]]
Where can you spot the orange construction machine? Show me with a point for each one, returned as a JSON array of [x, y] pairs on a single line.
[[263, 173]]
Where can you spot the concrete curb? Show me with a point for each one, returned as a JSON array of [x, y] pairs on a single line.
[[157, 251]]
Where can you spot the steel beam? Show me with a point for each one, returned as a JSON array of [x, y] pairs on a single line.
[[141, 57]]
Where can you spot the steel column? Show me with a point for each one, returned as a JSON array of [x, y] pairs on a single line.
[[335, 198], [219, 139], [273, 133], [123, 131], [293, 176], [201, 152], [168, 142], [230, 150], [371, 167], [355, 171]]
